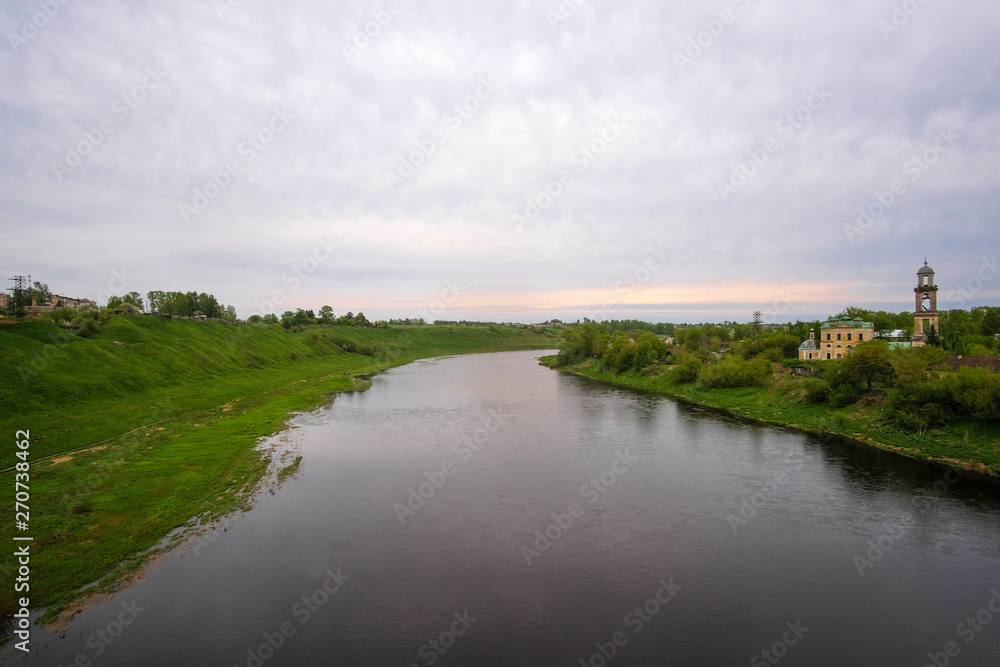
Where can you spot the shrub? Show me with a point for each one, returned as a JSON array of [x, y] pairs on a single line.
[[976, 393], [843, 394], [87, 328], [772, 354], [817, 391], [63, 316], [687, 370], [734, 371], [922, 405]]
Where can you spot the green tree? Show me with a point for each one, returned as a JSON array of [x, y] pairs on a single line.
[[693, 339], [867, 363], [933, 338], [40, 293], [649, 349], [132, 299], [618, 355], [326, 315], [909, 366], [155, 300], [991, 321], [585, 340]]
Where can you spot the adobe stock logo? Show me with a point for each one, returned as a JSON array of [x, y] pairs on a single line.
[[122, 107], [786, 127], [582, 158], [407, 165], [247, 150], [29, 28], [915, 167]]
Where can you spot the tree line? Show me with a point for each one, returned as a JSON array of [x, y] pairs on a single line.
[[917, 386], [325, 317], [181, 304]]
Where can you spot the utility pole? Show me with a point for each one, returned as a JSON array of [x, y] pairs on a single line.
[[19, 293]]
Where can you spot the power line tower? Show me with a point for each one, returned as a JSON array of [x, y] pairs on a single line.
[[20, 295], [756, 325]]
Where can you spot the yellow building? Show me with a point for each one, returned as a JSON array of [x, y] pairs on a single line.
[[837, 337]]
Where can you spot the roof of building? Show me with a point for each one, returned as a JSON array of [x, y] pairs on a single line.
[[898, 344], [924, 270], [809, 345], [836, 322], [983, 362]]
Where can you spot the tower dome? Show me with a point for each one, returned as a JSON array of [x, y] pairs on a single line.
[[925, 270]]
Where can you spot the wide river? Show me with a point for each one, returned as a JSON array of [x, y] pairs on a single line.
[[485, 510]]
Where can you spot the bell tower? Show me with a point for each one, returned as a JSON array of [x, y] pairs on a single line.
[[925, 315]]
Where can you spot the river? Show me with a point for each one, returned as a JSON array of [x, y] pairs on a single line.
[[485, 510]]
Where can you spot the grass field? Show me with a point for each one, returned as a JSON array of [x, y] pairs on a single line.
[[972, 445], [153, 422]]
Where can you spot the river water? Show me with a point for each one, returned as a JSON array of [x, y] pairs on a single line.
[[485, 510]]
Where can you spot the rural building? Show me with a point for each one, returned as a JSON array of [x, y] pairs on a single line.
[[60, 301], [809, 349], [837, 337]]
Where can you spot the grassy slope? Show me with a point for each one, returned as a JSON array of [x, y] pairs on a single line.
[[176, 408], [974, 445]]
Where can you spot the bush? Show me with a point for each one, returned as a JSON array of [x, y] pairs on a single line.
[[87, 328], [62, 316], [817, 391], [377, 350], [972, 393], [772, 354], [776, 346], [922, 405], [733, 371], [843, 394], [976, 393], [687, 370]]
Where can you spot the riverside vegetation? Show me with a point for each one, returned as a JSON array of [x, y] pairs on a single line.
[[142, 426], [905, 400]]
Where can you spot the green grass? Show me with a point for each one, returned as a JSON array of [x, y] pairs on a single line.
[[972, 445], [157, 421]]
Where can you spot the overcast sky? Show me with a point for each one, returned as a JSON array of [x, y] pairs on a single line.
[[505, 160]]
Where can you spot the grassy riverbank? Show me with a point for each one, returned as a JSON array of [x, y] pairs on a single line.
[[152, 422], [970, 444]]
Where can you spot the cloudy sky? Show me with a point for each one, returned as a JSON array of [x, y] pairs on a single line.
[[505, 160]]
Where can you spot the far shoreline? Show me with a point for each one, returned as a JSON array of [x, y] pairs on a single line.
[[975, 469]]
